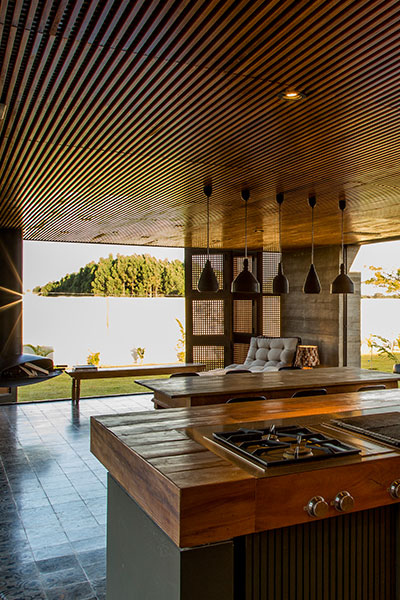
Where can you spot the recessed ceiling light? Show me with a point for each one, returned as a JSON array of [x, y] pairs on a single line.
[[292, 94]]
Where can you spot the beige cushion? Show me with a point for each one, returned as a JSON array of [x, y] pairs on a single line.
[[269, 354]]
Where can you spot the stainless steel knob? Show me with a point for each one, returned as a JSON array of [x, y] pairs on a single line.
[[317, 507], [344, 501], [394, 489]]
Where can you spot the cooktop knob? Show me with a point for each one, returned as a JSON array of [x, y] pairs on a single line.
[[344, 501], [317, 507], [394, 489]]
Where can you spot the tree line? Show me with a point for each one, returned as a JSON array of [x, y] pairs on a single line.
[[135, 275]]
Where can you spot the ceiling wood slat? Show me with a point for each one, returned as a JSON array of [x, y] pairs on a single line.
[[117, 112]]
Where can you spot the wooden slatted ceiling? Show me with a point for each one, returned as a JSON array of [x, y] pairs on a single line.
[[118, 112]]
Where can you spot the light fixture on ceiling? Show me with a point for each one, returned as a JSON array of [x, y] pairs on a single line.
[[245, 282], [208, 281], [312, 284], [292, 95], [342, 284], [280, 284]]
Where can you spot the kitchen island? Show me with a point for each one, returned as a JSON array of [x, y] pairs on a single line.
[[189, 519]]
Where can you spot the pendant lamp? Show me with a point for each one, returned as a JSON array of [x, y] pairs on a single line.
[[280, 283], [342, 284], [208, 281], [312, 284], [245, 282]]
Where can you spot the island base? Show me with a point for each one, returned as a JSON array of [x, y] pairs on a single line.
[[144, 564], [353, 556]]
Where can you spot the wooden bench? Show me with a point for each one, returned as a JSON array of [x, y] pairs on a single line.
[[135, 371]]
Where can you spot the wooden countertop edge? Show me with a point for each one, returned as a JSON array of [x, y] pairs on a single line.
[[152, 490]]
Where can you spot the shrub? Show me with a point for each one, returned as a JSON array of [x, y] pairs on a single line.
[[93, 359]]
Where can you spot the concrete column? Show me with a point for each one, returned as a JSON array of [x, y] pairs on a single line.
[[320, 319]]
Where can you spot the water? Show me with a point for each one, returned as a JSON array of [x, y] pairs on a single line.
[[77, 326]]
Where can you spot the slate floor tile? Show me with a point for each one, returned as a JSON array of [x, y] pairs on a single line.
[[57, 563], [64, 577], [95, 571], [80, 591], [53, 500], [89, 557], [53, 551]]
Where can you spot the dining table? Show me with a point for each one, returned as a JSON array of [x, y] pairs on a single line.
[[216, 389]]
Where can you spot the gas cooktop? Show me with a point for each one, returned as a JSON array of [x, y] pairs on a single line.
[[279, 445]]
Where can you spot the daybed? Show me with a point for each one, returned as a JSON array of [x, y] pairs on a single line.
[[268, 354]]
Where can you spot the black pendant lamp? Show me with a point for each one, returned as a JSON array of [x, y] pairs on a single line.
[[208, 281], [280, 284], [342, 284], [245, 282], [312, 284]]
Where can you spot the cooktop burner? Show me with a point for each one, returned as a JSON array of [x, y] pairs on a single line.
[[283, 445]]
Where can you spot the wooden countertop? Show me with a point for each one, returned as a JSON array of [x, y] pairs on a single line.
[[212, 389], [197, 497], [272, 380]]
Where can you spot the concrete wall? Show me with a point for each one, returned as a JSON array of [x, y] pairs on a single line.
[[318, 318], [354, 323]]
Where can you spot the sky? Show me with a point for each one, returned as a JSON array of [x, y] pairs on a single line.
[[49, 261]]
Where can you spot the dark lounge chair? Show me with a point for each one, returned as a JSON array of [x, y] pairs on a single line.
[[368, 388], [315, 392], [245, 399], [188, 374]]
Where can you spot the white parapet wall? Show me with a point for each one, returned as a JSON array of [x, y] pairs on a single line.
[[78, 326]]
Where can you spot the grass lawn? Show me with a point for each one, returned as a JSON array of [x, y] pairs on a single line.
[[378, 363], [60, 387]]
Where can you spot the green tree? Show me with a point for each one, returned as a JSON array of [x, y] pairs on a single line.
[[135, 275]]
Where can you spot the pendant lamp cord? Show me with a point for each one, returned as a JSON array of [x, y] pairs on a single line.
[[342, 206], [312, 235], [342, 237], [245, 228], [208, 227], [280, 234]]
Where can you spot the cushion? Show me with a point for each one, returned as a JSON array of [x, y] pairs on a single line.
[[269, 354]]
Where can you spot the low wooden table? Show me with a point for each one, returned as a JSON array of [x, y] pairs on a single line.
[[216, 389], [135, 371]]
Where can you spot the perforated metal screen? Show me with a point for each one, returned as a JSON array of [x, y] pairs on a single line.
[[212, 356], [270, 269], [208, 317], [198, 262], [242, 316], [271, 316], [240, 353], [238, 264], [219, 327]]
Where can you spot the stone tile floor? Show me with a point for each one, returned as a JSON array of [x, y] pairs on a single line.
[[53, 499]]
